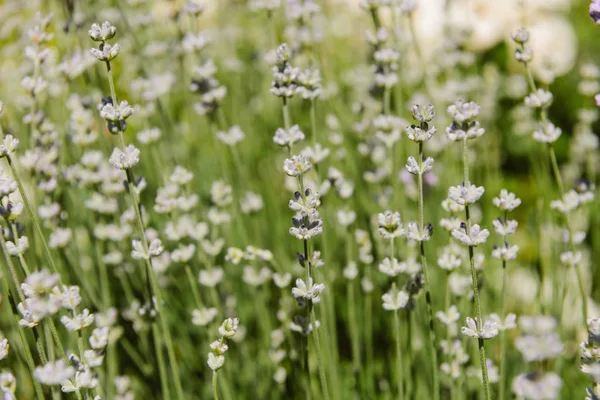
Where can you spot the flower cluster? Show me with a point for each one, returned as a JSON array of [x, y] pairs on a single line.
[[227, 330]]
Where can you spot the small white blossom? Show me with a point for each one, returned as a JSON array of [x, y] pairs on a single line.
[[395, 300], [505, 252], [107, 52], [475, 237], [229, 327], [53, 373], [102, 33], [8, 146], [296, 166], [203, 316], [307, 290], [119, 113], [487, 331], [547, 133], [539, 99], [465, 193], [215, 362], [506, 201], [125, 159], [390, 224]]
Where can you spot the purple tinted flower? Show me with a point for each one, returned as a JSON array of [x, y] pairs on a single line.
[[595, 11], [597, 99]]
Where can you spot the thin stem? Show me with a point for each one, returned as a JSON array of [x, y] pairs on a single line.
[[559, 184], [432, 338], [313, 122], [400, 366], [150, 271], [503, 333], [482, 359], [214, 386], [32, 215]]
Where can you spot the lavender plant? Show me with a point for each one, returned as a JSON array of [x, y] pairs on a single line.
[[143, 208]]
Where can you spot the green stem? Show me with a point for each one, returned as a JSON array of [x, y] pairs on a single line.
[[153, 280], [432, 337], [313, 122], [214, 386], [482, 359], [32, 215], [400, 367]]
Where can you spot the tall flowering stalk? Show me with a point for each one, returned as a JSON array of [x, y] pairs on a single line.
[[390, 228], [216, 357], [306, 224], [505, 252], [463, 128], [547, 133], [125, 157], [417, 231]]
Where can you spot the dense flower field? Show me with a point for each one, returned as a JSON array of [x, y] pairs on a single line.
[[311, 199]]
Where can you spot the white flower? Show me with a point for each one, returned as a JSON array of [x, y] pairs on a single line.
[[53, 373], [392, 267], [282, 280], [414, 233], [296, 166], [395, 300], [537, 386], [416, 134], [83, 379], [251, 202], [462, 111], [539, 348], [547, 133], [7, 186], [219, 347], [289, 137], [221, 193], [571, 259], [505, 228], [465, 193], [316, 154], [107, 52], [305, 233], [350, 271], [505, 252], [488, 331], [570, 201], [79, 321], [413, 166], [210, 278], [20, 248], [102, 33], [474, 238], [125, 159], [39, 283], [506, 201], [215, 362], [60, 238], [390, 224], [229, 327], [119, 113], [99, 338], [539, 99], [307, 290], [8, 146], [231, 137], [70, 297], [450, 317], [510, 321], [346, 217], [4, 347], [203, 316]]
